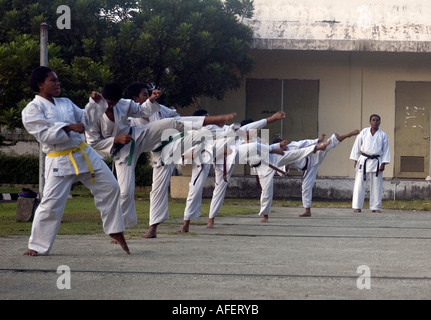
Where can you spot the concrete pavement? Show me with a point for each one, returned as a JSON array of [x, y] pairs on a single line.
[[334, 255]]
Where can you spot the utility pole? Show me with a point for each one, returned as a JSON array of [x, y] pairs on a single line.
[[43, 62]]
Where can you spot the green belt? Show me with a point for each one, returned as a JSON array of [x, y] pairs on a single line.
[[166, 142], [132, 148]]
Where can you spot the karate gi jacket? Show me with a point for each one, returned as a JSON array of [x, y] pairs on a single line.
[[45, 121], [101, 136]]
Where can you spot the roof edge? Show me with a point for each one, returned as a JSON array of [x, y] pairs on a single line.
[[342, 45]]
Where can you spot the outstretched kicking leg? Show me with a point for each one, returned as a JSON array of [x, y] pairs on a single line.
[[313, 168], [347, 135]]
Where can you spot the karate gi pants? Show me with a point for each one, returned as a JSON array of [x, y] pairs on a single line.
[[47, 218], [196, 185], [267, 184], [146, 139], [249, 152], [220, 187], [309, 177], [376, 190], [159, 195]]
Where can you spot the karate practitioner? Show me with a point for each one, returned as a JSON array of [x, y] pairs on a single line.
[[223, 175], [58, 125], [265, 178], [159, 195], [114, 136], [222, 172], [371, 153], [310, 165]]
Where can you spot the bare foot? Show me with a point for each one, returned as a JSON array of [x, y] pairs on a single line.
[[322, 138], [220, 120], [151, 233], [377, 211], [264, 219], [119, 237], [357, 210], [185, 227], [322, 146], [354, 133], [31, 253], [210, 224], [348, 135], [307, 213]]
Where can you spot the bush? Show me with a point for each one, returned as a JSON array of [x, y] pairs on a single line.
[[19, 169], [24, 169]]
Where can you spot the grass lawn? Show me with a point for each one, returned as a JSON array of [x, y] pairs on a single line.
[[81, 216]]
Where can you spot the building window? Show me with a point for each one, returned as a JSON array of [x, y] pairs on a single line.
[[298, 98]]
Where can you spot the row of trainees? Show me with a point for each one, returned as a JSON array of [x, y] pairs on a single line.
[[61, 127], [107, 122], [372, 143]]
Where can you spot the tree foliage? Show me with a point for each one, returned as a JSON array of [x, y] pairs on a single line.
[[188, 48]]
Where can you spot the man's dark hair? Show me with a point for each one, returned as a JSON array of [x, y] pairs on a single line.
[[200, 113], [375, 115], [134, 89], [37, 76], [244, 122], [112, 91], [276, 140]]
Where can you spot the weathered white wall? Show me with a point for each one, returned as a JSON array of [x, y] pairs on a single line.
[[23, 147], [357, 50], [353, 85], [382, 25]]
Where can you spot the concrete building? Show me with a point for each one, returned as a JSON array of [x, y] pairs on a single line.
[[330, 64]]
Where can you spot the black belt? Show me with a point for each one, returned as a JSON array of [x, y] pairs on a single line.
[[375, 156], [271, 166], [305, 167], [256, 165]]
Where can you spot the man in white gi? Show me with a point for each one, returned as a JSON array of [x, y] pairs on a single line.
[[265, 178], [222, 175], [159, 195], [58, 125], [261, 158], [310, 165], [371, 153], [222, 172], [114, 136]]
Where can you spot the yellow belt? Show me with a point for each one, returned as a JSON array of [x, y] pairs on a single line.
[[70, 152]]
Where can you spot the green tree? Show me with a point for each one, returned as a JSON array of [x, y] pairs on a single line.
[[74, 53], [188, 48]]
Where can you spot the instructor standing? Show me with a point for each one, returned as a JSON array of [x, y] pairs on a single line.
[[371, 153]]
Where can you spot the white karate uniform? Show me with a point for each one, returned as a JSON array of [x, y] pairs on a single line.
[[265, 177], [202, 162], [232, 159], [261, 163], [241, 153], [45, 121], [145, 138], [366, 143], [213, 154], [312, 163], [159, 195]]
